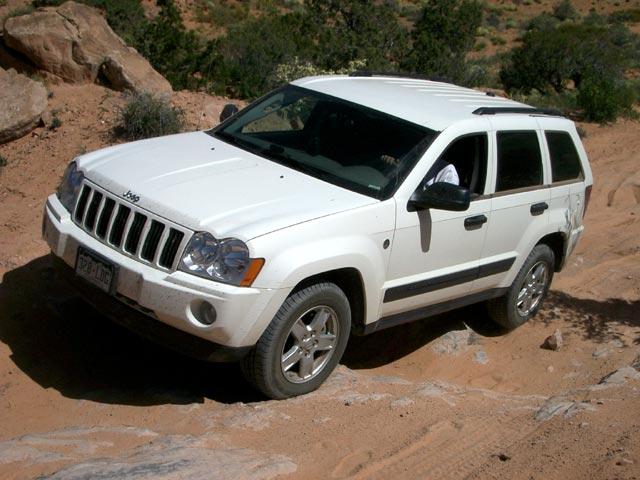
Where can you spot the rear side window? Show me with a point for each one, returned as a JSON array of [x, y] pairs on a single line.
[[565, 162], [519, 160]]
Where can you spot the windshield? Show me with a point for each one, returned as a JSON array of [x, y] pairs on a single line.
[[348, 145]]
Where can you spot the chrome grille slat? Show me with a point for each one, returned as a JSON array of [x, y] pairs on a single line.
[[128, 229]]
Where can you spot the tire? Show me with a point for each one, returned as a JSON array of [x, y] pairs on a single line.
[[303, 343], [529, 289]]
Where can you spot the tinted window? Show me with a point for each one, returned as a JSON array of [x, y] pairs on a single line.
[[565, 162], [519, 160]]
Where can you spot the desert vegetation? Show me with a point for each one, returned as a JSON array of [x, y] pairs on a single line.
[[577, 63], [146, 116]]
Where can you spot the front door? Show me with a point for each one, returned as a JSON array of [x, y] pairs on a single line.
[[435, 253]]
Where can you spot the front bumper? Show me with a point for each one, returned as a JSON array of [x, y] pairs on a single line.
[[170, 298], [144, 325]]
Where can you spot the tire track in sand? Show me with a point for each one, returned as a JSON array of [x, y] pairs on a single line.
[[447, 449]]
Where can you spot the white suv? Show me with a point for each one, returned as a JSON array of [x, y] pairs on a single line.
[[314, 213]]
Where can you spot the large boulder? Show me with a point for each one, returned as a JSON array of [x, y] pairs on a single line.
[[23, 103], [75, 43]]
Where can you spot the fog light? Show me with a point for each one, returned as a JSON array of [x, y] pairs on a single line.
[[208, 313]]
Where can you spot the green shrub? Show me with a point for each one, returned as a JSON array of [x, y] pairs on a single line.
[[172, 50], [510, 24], [565, 10], [3, 161], [631, 15], [146, 116], [588, 58], [442, 37], [554, 58], [243, 61], [484, 71], [55, 123], [542, 22], [480, 45], [222, 14], [344, 30], [565, 102], [475, 74], [604, 99]]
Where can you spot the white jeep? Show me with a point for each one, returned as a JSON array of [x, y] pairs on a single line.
[[316, 212]]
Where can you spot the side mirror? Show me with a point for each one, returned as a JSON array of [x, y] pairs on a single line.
[[442, 196], [229, 110]]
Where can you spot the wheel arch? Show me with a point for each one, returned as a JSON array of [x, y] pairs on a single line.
[[557, 243], [350, 281]]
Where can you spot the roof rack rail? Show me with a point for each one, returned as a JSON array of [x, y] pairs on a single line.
[[414, 76], [525, 110]]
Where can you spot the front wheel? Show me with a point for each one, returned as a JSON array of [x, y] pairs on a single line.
[[530, 287], [303, 343]]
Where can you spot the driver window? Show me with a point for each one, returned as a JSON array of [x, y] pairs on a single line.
[[465, 157]]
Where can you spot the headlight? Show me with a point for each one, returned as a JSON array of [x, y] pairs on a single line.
[[70, 186], [224, 260]]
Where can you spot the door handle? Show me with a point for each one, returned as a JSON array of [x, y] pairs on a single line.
[[472, 223], [538, 208]]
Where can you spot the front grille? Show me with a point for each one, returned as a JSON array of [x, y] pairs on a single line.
[[129, 229]]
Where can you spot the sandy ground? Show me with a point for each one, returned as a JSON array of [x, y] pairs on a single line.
[[449, 397]]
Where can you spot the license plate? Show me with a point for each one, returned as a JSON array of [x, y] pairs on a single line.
[[95, 270]]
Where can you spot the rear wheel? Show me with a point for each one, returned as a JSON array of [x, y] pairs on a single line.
[[526, 294], [303, 343]]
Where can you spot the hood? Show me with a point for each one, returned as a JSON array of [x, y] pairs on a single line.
[[205, 184]]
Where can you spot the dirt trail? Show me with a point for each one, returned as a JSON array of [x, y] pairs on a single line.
[[450, 397]]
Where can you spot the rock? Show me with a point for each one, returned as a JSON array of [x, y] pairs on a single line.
[[601, 353], [481, 357], [185, 463], [75, 43], [553, 342], [456, 341], [23, 103], [120, 452], [361, 398], [12, 59], [620, 376], [560, 406]]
